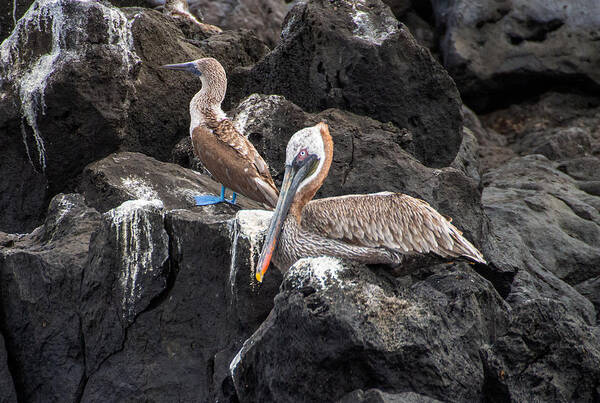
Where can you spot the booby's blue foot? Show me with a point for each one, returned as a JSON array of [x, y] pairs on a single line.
[[207, 200]]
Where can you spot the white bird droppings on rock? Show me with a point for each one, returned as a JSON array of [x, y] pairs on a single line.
[[139, 189], [139, 253], [318, 271], [252, 226], [67, 46], [375, 32]]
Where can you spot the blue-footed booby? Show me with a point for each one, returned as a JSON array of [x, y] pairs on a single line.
[[369, 228], [225, 153]]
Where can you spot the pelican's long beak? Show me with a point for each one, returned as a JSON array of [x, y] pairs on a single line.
[[190, 67], [291, 180]]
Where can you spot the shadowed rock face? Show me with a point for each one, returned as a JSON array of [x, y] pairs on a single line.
[[492, 47], [356, 56], [335, 324], [39, 289]]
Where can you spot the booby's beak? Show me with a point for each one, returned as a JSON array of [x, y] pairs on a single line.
[[190, 67], [294, 174]]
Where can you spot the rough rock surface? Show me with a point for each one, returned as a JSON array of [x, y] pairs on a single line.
[[10, 12], [179, 348], [546, 355], [40, 278], [491, 47], [7, 386], [356, 56], [73, 95], [264, 17], [377, 396], [126, 270], [131, 176], [541, 211], [336, 328]]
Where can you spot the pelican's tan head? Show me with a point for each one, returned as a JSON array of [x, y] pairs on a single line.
[[314, 142], [212, 74]]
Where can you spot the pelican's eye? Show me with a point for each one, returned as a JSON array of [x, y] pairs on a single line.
[[302, 155]]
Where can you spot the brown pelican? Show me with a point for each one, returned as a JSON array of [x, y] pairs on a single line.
[[371, 228], [229, 157]]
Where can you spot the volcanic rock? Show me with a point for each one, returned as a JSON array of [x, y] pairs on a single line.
[[131, 176], [7, 386], [377, 396], [357, 57], [547, 354], [127, 269], [339, 327], [492, 47], [179, 348], [540, 211], [40, 278], [264, 17]]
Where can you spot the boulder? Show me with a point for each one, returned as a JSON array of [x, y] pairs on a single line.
[[179, 348], [559, 126], [493, 148], [127, 269], [7, 386], [40, 279], [548, 226], [264, 17], [377, 396], [492, 47], [337, 327], [358, 57], [79, 80], [547, 354], [131, 176]]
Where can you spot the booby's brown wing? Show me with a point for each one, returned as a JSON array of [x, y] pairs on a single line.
[[234, 162], [391, 220]]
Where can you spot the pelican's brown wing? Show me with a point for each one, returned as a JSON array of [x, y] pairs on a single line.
[[391, 220], [234, 162]]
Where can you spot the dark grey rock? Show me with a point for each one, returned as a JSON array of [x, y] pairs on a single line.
[[562, 127], [40, 277], [548, 226], [492, 147], [7, 386], [359, 58], [492, 47], [377, 396], [546, 355], [10, 12], [337, 328], [179, 348], [264, 17], [582, 168], [130, 176], [127, 269]]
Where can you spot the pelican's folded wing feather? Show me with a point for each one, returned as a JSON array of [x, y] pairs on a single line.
[[391, 220]]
